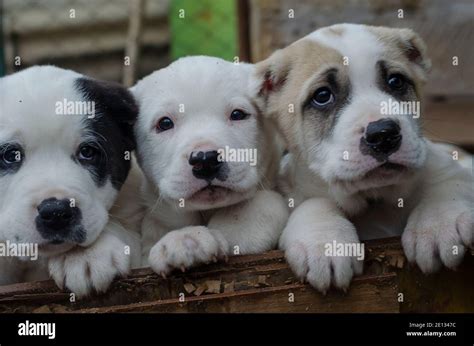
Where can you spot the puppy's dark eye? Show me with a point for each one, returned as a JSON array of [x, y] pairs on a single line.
[[164, 124], [396, 81], [322, 97], [12, 155], [87, 153], [238, 114]]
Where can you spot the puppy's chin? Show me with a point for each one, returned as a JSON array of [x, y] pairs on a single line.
[[49, 249], [213, 197], [83, 235], [191, 194], [368, 174], [387, 171], [386, 174], [30, 236], [57, 247]]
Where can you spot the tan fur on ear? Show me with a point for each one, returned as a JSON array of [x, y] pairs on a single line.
[[406, 43], [415, 48], [272, 73]]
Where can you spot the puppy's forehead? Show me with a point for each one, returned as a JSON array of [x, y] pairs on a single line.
[[362, 45], [310, 56], [29, 106], [195, 77], [195, 86], [358, 46]]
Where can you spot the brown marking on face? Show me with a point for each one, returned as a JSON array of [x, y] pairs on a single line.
[[291, 69], [405, 47], [336, 30], [294, 65], [386, 68]]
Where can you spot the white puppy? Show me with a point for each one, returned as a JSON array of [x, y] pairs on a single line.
[[64, 143], [358, 161], [203, 204]]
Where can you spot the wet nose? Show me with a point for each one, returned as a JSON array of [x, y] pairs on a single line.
[[55, 214], [206, 164], [383, 136]]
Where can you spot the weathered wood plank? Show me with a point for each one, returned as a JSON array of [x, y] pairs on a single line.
[[34, 16], [375, 294], [261, 283], [444, 291]]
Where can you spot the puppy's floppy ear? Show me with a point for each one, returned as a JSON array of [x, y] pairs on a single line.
[[113, 101], [414, 49], [272, 74]]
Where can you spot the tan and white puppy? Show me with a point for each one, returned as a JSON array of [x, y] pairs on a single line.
[[201, 203], [356, 161]]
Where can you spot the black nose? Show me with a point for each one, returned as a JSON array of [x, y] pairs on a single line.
[[383, 136], [55, 214], [206, 165]]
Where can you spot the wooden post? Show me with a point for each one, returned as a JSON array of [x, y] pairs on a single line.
[[2, 54], [132, 48], [243, 13]]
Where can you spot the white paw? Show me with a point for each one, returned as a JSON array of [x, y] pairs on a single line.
[[83, 270], [185, 248], [438, 234], [310, 262]]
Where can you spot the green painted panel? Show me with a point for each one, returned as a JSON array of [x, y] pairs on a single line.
[[204, 27]]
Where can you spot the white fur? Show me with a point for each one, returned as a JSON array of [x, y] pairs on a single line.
[[437, 192], [242, 219], [49, 140], [328, 160]]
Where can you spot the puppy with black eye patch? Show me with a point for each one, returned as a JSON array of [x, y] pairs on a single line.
[[202, 205], [355, 161], [60, 176]]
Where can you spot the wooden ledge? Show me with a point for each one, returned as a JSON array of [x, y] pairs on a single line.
[[262, 283]]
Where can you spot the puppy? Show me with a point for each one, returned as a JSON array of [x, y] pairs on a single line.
[[203, 204], [357, 160], [64, 141]]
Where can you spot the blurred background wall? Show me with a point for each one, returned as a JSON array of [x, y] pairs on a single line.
[[90, 36], [95, 41], [92, 42]]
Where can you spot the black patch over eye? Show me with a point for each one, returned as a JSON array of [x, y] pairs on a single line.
[[11, 157], [238, 114], [92, 158], [322, 97], [87, 152], [112, 128], [164, 124], [397, 82]]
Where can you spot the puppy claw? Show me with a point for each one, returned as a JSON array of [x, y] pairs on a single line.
[[214, 259], [183, 269], [163, 275]]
